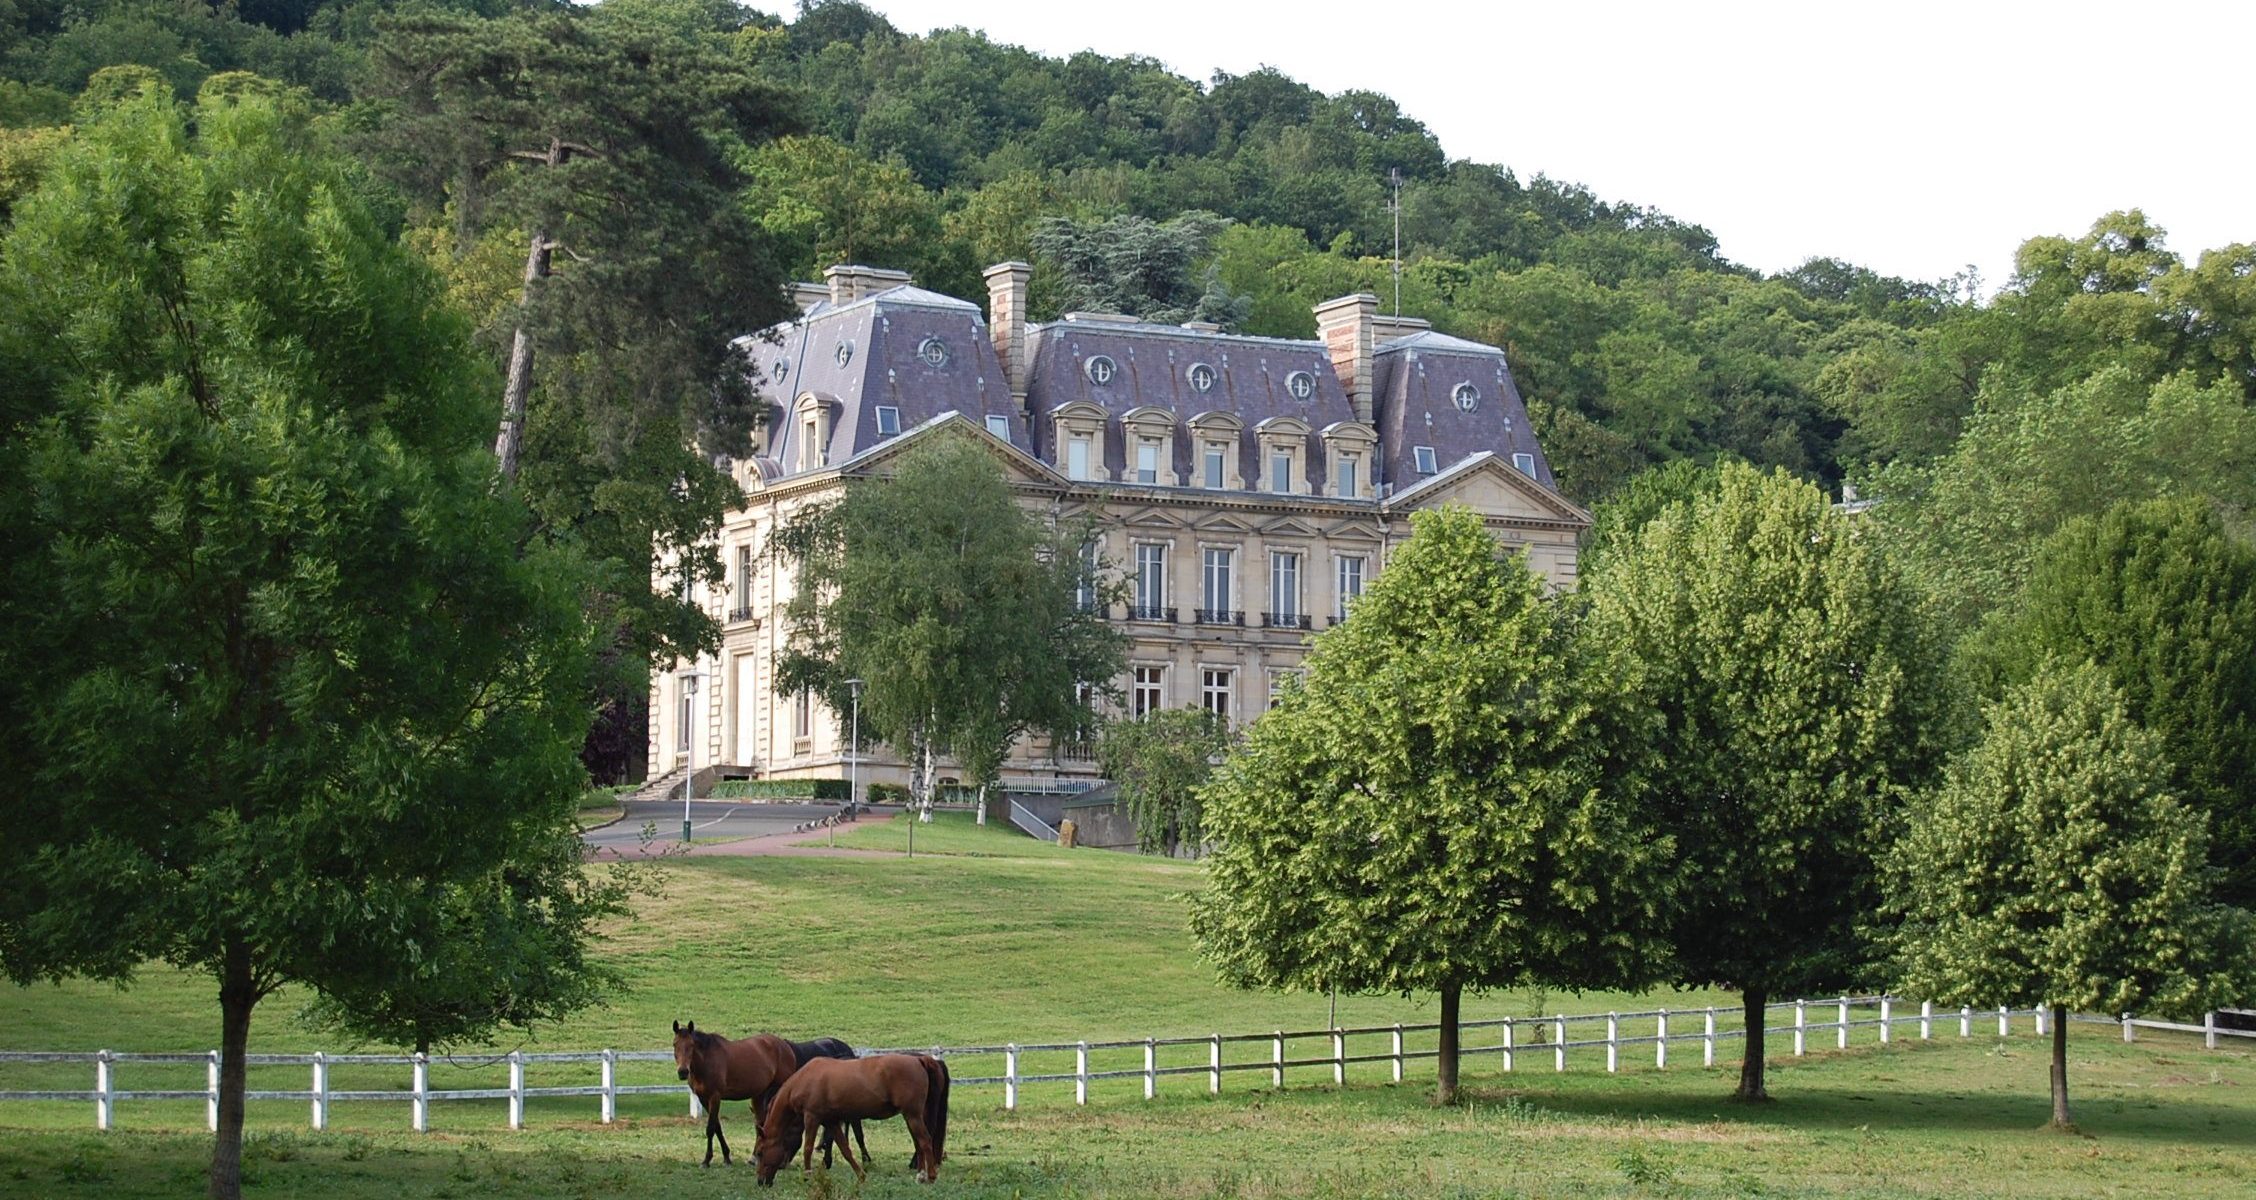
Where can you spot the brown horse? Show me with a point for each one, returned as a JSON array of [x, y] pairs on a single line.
[[826, 1093], [719, 1070]]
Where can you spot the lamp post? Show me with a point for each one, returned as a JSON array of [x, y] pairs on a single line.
[[853, 757]]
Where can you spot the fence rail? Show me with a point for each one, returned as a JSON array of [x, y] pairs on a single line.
[[1515, 1036]]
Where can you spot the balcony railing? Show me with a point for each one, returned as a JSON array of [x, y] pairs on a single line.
[[1220, 616], [738, 616], [1285, 620], [1146, 612]]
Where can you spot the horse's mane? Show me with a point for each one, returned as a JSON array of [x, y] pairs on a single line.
[[705, 1041]]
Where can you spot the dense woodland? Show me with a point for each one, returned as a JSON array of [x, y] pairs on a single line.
[[740, 149]]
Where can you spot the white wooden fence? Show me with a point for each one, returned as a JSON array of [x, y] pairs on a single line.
[[1543, 1037]]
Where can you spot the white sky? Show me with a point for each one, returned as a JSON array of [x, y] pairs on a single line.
[[1915, 137]]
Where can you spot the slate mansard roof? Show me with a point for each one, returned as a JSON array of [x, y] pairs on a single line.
[[926, 355]]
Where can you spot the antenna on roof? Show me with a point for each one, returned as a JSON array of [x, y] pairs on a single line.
[[1394, 176]]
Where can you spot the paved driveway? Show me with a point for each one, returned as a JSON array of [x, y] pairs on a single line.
[[710, 821]]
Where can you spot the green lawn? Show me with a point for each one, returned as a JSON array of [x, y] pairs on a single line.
[[992, 937]]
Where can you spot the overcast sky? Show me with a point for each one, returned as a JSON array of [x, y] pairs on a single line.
[[1912, 137]]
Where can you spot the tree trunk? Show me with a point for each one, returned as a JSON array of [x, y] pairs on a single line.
[[520, 384], [237, 994], [2060, 1118], [982, 804], [1445, 1064], [1751, 1085]]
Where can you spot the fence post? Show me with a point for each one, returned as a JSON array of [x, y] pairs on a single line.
[[1507, 1048], [1151, 1068], [1559, 1045], [320, 1092], [1010, 1076], [211, 1090], [609, 1060], [1887, 1011], [2209, 1030], [1965, 1021], [2130, 1033], [1277, 1057], [2004, 1015], [102, 1091], [1841, 1040], [1214, 1066], [421, 1107], [1801, 1026], [1707, 1040], [1660, 1040], [1081, 1073], [1613, 1042], [1339, 1056], [1398, 1050], [516, 1089], [1926, 1020]]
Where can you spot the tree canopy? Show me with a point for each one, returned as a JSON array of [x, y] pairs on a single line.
[[1160, 762], [293, 694], [1426, 813]]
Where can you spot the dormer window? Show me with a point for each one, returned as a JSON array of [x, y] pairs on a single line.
[[1281, 472], [1217, 436], [1284, 468], [1350, 444], [1345, 476], [1147, 460], [888, 420], [1423, 457], [1077, 457], [1214, 465], [1525, 463], [810, 443], [1076, 433], [999, 425]]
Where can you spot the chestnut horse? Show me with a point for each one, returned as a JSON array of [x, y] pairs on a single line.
[[719, 1069], [829, 1047], [827, 1092]]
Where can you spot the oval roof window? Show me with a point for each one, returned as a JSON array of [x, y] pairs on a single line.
[[1467, 397], [933, 351], [1101, 370], [1301, 384]]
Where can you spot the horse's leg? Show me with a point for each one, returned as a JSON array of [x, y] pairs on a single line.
[[859, 1138], [712, 1126], [925, 1162], [714, 1115], [832, 1133], [807, 1152]]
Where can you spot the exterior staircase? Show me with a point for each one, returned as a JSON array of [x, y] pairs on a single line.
[[665, 787]]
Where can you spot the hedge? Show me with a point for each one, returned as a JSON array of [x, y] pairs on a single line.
[[782, 789]]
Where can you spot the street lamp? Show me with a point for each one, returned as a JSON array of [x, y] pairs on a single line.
[[853, 757], [689, 747]]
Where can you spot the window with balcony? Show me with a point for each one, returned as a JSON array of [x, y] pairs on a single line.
[[1151, 583], [1284, 591], [1150, 692], [743, 609], [1215, 606]]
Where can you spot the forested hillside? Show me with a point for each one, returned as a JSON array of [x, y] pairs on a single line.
[[612, 190]]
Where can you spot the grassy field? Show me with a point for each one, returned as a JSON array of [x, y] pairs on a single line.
[[986, 937]]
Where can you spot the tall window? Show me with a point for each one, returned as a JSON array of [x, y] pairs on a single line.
[[1214, 691], [1216, 457], [1151, 688], [1151, 579], [686, 692], [743, 578], [1284, 586], [1350, 582], [1280, 471], [810, 454], [1147, 461], [1214, 583], [1347, 472], [1077, 458], [803, 715], [1085, 593]]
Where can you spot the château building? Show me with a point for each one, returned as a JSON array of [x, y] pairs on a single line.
[[1248, 489]]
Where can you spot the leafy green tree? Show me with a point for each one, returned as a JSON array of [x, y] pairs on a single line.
[[1616, 523], [1776, 675], [288, 688], [1159, 762], [955, 605], [1144, 268], [2161, 595], [2054, 866], [1427, 814]]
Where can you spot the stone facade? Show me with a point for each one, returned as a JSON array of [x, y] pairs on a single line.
[[1247, 489]]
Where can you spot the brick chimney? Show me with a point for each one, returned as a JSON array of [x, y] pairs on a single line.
[[851, 281], [1347, 326], [1006, 322]]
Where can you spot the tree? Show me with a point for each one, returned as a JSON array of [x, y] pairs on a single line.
[[1778, 682], [957, 607], [2161, 596], [285, 683], [1159, 761], [2054, 866], [1426, 814], [1144, 268]]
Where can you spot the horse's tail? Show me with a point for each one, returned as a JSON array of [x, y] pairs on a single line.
[[936, 1108]]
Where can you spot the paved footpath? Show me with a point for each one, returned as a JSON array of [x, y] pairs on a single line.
[[726, 829]]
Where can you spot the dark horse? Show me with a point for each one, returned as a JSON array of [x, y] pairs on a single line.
[[829, 1047], [827, 1092], [719, 1069]]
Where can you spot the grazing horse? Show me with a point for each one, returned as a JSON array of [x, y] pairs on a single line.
[[719, 1069], [827, 1092], [829, 1047]]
